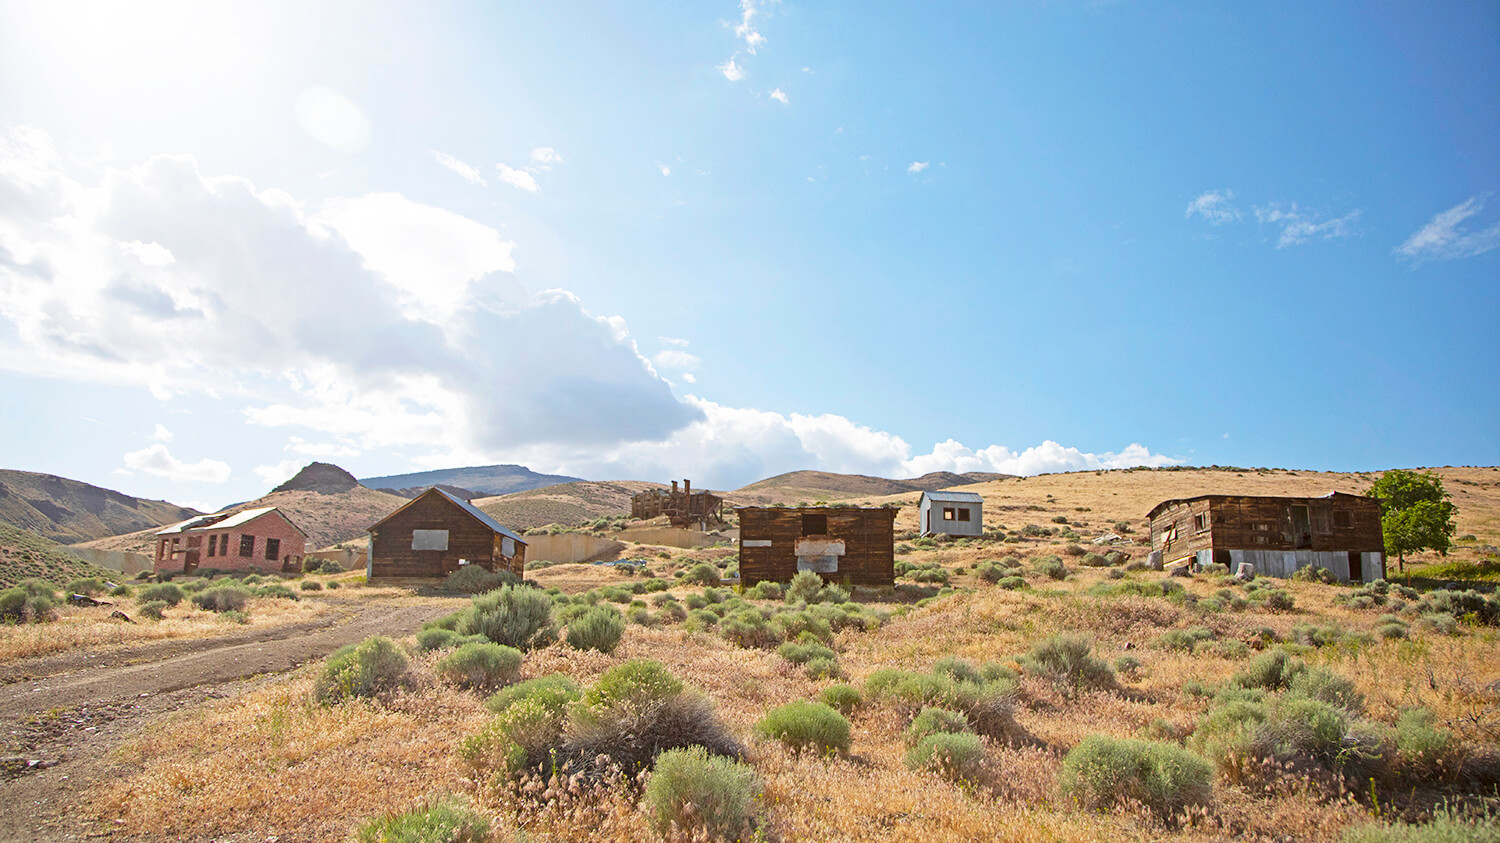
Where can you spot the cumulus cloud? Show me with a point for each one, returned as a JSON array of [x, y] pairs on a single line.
[[158, 461], [731, 71], [1445, 238], [746, 27], [1214, 206], [917, 167], [333, 119], [467, 171], [1299, 226], [519, 179], [543, 157], [665, 170], [161, 434], [676, 359], [150, 254], [320, 450], [275, 475], [780, 96]]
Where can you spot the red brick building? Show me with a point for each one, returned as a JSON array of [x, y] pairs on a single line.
[[261, 539]]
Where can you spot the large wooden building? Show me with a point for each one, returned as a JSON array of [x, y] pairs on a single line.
[[437, 533], [845, 545], [683, 508], [951, 513], [1279, 535], [262, 539]]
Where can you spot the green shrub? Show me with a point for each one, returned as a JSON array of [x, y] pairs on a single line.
[[749, 628], [824, 667], [1272, 670], [1314, 573], [1011, 583], [1067, 662], [804, 588], [480, 665], [1127, 664], [1102, 772], [802, 653], [702, 574], [444, 822], [694, 791], [764, 590], [1424, 749], [553, 692], [1094, 560], [1050, 566], [1277, 600], [1184, 639], [803, 725], [122, 591], [842, 698], [523, 736], [600, 628], [280, 591], [91, 586], [930, 721], [961, 670], [1446, 826], [636, 711], [165, 592], [151, 609], [990, 707], [311, 585], [636, 682], [475, 579], [1326, 686], [954, 756], [18, 605], [330, 567], [437, 639], [516, 616], [222, 599], [374, 666]]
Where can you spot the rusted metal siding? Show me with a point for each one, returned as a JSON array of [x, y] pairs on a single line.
[[769, 536], [393, 557]]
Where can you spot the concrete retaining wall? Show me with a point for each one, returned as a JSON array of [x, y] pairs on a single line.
[[125, 562], [672, 537], [569, 547]]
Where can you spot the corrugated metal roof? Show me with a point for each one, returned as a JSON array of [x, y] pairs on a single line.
[[480, 515], [218, 520], [954, 497]]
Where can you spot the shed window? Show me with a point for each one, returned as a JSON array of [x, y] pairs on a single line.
[[963, 515], [1200, 522], [429, 539], [1343, 519], [273, 548], [948, 513], [247, 545], [814, 525]]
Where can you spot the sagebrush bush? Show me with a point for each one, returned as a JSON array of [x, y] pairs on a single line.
[[480, 665], [18, 605], [222, 599], [697, 792], [152, 609], [553, 691], [824, 667], [1011, 583], [632, 731], [444, 822], [516, 616], [311, 585], [1424, 749], [1326, 686], [803, 652], [437, 639], [804, 587], [806, 725], [600, 628], [990, 706], [956, 756], [961, 670], [475, 579], [1271, 670], [374, 666], [1067, 662], [91, 586], [1446, 826], [930, 721], [1051, 567], [1102, 772], [842, 698], [764, 590], [281, 591], [165, 592], [702, 574]]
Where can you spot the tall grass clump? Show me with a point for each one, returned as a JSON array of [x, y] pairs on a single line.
[[956, 756], [600, 628], [516, 616], [372, 667], [1103, 772], [804, 725], [694, 791], [443, 822], [1067, 661], [480, 665]]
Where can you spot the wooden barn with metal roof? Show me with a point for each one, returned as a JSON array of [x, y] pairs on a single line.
[[434, 535]]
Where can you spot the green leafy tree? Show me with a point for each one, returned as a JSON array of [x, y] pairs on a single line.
[[1416, 513]]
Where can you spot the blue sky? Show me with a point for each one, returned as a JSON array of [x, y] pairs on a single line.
[[724, 241]]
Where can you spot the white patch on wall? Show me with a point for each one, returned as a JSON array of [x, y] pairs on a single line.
[[756, 543], [507, 546], [429, 539], [821, 556]]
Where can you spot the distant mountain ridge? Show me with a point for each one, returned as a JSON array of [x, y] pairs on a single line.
[[71, 511], [797, 486], [482, 480]]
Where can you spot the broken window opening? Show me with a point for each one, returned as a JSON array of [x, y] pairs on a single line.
[[247, 545], [1200, 522], [963, 515], [213, 545], [1343, 519], [273, 548], [814, 524], [429, 539]]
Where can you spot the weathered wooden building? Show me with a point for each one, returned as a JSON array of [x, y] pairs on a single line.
[[845, 545], [1337, 531], [435, 534], [953, 513], [683, 508], [260, 539]]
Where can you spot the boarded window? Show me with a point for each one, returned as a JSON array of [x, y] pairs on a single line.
[[814, 525], [213, 545], [1343, 519], [429, 539], [963, 515], [1200, 522], [247, 545], [948, 514], [273, 548]]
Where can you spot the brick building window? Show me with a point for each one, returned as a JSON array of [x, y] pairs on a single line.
[[247, 545], [273, 548], [213, 545]]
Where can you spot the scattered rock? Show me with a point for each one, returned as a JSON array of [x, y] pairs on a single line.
[[85, 600], [117, 614], [1180, 571]]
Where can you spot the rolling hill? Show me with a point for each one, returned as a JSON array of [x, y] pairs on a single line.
[[483, 479], [70, 511], [810, 486], [568, 504]]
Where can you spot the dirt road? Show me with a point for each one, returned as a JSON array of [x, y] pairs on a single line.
[[59, 723]]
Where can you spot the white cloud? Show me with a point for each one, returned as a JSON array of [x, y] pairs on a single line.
[[1443, 239], [674, 341], [333, 119], [665, 170], [689, 377], [467, 171], [676, 359], [917, 167], [158, 461], [746, 28], [1299, 226], [161, 434], [150, 254], [780, 96], [519, 179], [320, 450], [544, 157], [1214, 206], [731, 71], [275, 475]]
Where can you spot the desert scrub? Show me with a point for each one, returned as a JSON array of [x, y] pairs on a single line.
[[804, 725], [443, 822], [474, 579], [165, 592], [1446, 826], [956, 756], [1425, 750], [438, 638], [989, 705], [480, 665], [311, 585], [1184, 639], [553, 691], [1050, 566], [222, 599], [151, 609], [91, 586], [374, 666], [932, 720], [701, 574], [599, 628], [516, 616], [1067, 662], [694, 791], [1103, 772], [842, 698], [798, 652], [764, 590], [32, 601]]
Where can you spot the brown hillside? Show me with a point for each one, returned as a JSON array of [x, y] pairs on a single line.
[[568, 504], [71, 511], [809, 486]]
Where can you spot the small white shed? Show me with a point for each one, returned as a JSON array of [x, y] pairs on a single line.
[[954, 513]]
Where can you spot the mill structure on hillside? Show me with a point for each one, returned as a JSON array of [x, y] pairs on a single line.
[[848, 545], [436, 534], [952, 513], [260, 539], [683, 508], [1279, 535]]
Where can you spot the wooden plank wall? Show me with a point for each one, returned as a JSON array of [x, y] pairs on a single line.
[[869, 543], [1265, 523], [391, 554]]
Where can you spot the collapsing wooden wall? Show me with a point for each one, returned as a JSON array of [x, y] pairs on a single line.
[[682, 508], [846, 545]]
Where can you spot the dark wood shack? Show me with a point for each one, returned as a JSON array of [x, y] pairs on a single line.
[[437, 533], [1279, 535], [845, 545], [684, 508]]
